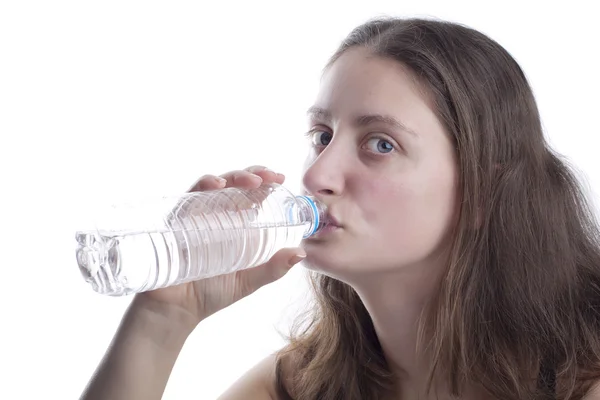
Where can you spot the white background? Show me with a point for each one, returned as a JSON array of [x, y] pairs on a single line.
[[111, 99]]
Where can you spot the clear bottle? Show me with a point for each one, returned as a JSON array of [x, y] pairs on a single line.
[[171, 240]]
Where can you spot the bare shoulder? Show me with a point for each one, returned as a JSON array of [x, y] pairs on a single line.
[[256, 384], [594, 393]]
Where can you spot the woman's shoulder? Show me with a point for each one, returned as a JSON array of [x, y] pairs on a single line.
[[258, 383], [594, 392], [267, 380]]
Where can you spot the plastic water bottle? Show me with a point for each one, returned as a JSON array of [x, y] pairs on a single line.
[[171, 240]]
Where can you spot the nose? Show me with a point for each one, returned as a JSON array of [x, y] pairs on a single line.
[[324, 174]]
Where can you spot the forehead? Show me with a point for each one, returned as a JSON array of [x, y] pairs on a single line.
[[362, 80], [361, 83]]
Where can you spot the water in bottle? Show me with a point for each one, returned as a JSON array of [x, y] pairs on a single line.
[[173, 240]]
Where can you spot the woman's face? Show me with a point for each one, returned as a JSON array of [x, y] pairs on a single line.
[[383, 163]]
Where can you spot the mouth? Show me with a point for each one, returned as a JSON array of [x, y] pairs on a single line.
[[328, 225], [331, 221]]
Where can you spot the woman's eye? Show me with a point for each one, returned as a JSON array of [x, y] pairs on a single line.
[[321, 138], [378, 145]]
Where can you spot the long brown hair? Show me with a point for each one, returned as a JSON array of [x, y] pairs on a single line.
[[520, 300]]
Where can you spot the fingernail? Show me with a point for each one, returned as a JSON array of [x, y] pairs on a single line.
[[220, 180], [296, 259]]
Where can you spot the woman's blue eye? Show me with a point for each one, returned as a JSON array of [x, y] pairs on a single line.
[[381, 145], [376, 145], [321, 138]]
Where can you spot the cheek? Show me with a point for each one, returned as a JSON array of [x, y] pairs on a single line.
[[383, 202], [414, 214], [429, 213]]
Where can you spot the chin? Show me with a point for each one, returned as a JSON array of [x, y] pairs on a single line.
[[343, 268], [324, 261]]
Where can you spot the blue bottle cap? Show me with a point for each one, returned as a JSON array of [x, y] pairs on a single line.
[[316, 216]]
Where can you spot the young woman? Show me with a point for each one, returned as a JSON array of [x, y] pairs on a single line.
[[465, 263]]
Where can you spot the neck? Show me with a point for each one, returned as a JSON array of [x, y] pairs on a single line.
[[396, 302]]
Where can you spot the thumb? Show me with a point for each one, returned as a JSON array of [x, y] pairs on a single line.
[[272, 270]]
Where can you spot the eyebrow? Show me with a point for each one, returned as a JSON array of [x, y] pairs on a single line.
[[363, 120]]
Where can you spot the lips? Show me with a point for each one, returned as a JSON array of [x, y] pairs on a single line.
[[333, 221], [330, 220]]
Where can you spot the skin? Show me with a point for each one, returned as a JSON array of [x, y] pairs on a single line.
[[139, 361], [393, 190]]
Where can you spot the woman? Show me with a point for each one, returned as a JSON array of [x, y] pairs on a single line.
[[465, 263]]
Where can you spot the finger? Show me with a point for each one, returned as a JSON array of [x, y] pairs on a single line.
[[254, 278], [205, 183], [252, 178], [241, 179], [268, 175], [208, 182]]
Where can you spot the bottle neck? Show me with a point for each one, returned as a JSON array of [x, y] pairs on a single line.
[[312, 212]]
